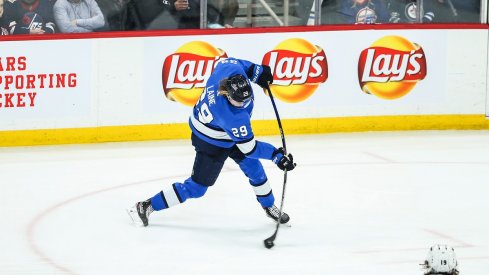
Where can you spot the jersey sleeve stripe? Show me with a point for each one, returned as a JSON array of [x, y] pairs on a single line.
[[211, 133], [247, 147]]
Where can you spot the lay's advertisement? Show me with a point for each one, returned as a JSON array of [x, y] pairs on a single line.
[[391, 67], [315, 74], [299, 67]]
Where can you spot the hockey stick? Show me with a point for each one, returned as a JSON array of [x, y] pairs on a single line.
[[269, 241]]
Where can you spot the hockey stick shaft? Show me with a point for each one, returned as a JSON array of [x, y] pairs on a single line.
[[269, 241], [282, 136]]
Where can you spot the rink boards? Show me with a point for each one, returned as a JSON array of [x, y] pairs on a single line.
[[125, 88]]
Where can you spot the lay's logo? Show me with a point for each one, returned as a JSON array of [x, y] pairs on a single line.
[[391, 67], [184, 73], [298, 67]]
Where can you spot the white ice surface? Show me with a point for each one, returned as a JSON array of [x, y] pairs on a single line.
[[361, 203]]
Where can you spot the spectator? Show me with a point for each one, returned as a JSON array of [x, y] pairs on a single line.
[[29, 16], [161, 14], [182, 14], [3, 30], [149, 14], [330, 12], [187, 13], [436, 11], [115, 13], [456, 11], [406, 11], [468, 10], [354, 12], [78, 16], [221, 14]]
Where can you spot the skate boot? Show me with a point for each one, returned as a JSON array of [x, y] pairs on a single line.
[[273, 212], [140, 212]]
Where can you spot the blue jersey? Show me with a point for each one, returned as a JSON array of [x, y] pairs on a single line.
[[215, 120], [22, 18], [405, 11], [368, 12]]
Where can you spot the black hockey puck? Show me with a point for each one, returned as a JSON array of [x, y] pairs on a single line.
[[268, 243]]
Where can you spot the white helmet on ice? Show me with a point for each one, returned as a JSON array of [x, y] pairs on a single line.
[[441, 260]]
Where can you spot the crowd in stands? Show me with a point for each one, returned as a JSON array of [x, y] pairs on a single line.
[[45, 16], [75, 16], [399, 11]]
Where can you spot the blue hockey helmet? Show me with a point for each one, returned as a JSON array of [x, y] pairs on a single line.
[[238, 88]]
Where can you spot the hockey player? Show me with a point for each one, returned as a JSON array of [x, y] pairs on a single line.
[[220, 124], [29, 16], [441, 260]]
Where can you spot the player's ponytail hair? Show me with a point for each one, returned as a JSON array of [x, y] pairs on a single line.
[[223, 88]]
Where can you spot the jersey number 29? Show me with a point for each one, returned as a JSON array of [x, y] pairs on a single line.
[[242, 130]]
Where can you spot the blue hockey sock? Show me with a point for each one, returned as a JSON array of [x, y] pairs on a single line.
[[177, 193]]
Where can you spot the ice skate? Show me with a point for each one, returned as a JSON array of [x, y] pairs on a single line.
[[140, 212], [273, 212]]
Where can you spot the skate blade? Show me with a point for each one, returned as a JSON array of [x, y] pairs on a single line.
[[133, 214]]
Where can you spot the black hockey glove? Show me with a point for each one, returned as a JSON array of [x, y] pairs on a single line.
[[283, 161], [261, 75]]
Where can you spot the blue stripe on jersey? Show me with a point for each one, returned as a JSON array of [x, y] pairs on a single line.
[[262, 150]]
